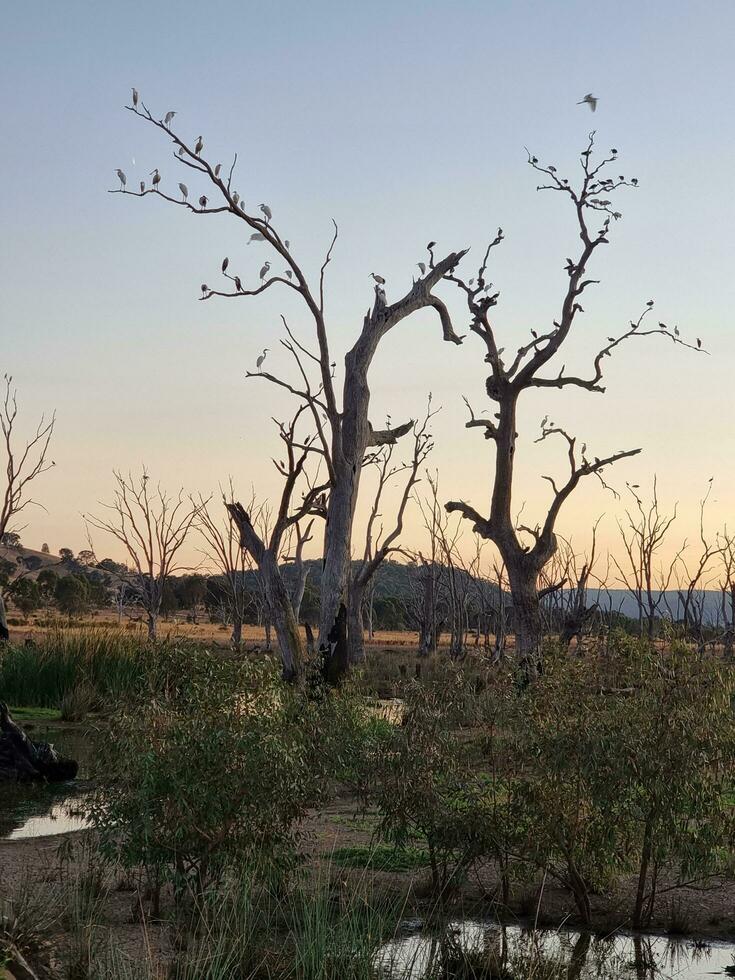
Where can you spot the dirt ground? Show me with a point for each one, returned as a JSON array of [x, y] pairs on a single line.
[[708, 911]]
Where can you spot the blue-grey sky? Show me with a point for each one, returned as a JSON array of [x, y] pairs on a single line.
[[404, 121]]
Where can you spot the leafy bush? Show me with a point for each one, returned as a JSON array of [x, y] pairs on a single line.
[[213, 764]]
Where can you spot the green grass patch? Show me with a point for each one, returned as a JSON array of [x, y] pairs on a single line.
[[381, 857], [21, 713]]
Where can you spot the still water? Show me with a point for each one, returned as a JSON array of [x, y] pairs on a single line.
[[38, 809], [488, 950]]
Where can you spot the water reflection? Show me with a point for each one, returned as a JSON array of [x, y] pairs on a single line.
[[472, 950], [38, 809]]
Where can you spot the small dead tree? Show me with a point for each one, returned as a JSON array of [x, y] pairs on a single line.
[[344, 432], [266, 548], [24, 461], [222, 547], [378, 544], [695, 577], [726, 543], [152, 527], [643, 533], [299, 538], [516, 373]]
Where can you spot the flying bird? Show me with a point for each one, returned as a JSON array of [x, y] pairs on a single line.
[[589, 100], [184, 191], [264, 270], [266, 211], [379, 279], [122, 178], [156, 178], [259, 362], [199, 145], [256, 237], [135, 97], [168, 117]]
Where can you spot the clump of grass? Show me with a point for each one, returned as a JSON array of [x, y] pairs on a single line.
[[77, 703], [381, 857], [69, 666]]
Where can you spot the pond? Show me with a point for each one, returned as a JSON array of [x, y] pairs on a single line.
[[476, 949], [43, 809]]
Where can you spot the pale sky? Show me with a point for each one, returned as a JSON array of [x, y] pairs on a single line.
[[405, 121]]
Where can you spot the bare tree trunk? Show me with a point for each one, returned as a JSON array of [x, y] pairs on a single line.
[[529, 625], [152, 620], [355, 624], [302, 574], [236, 638], [281, 615]]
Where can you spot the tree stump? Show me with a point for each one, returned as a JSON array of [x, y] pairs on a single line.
[[22, 760]]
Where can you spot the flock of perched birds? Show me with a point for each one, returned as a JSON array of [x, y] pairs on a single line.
[[589, 100]]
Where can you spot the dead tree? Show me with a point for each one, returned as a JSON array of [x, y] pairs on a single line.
[[378, 544], [266, 548], [24, 462], [223, 548], [643, 533], [295, 557], [515, 373], [726, 542], [566, 581], [344, 433], [692, 591], [152, 527]]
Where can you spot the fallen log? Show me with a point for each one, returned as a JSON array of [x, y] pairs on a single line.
[[23, 760]]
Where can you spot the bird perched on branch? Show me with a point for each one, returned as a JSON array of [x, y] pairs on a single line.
[[184, 191], [266, 211], [168, 117], [264, 270], [122, 178], [199, 145], [259, 362], [156, 178], [379, 279], [135, 98], [589, 100], [202, 201]]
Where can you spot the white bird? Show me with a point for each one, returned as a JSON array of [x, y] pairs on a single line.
[[264, 270], [379, 279], [199, 145], [589, 100], [235, 198], [217, 169], [266, 211], [168, 117], [181, 151], [135, 97], [122, 178], [256, 237], [422, 267], [184, 191], [156, 178], [259, 362]]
